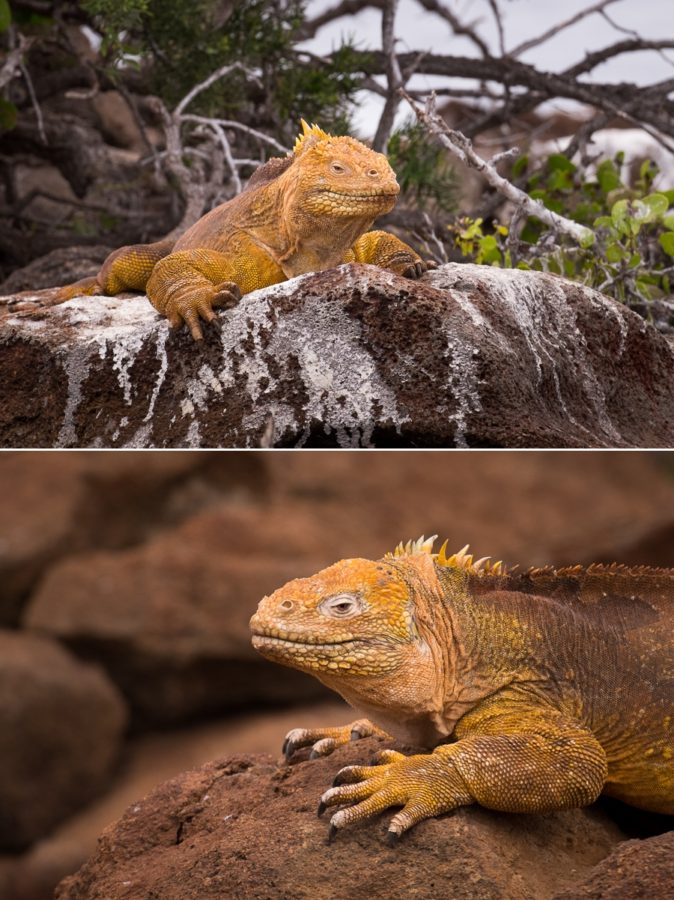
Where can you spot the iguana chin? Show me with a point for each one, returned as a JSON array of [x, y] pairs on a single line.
[[538, 690], [305, 213]]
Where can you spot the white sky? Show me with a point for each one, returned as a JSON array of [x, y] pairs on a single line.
[[420, 30]]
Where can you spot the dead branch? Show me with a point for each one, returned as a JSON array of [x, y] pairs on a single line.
[[460, 146], [458, 27], [561, 26], [394, 77]]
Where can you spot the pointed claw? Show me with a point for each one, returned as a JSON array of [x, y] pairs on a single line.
[[392, 838], [284, 748], [321, 809], [314, 755], [332, 831]]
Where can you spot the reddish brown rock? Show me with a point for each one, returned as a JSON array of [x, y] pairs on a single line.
[[169, 621], [355, 356], [247, 827], [61, 724], [634, 870], [58, 504]]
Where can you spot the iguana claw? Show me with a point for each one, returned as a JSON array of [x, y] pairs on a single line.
[[324, 740], [417, 269]]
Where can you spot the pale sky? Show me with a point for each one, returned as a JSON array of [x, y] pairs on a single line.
[[420, 30]]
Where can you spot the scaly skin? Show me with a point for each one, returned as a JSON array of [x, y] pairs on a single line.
[[553, 686], [307, 213]]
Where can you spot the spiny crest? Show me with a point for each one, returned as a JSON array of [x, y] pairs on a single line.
[[460, 560], [309, 131]]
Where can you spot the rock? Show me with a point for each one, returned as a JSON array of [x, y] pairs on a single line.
[[355, 356], [64, 265], [58, 504], [246, 826], [634, 869], [61, 725], [149, 760], [169, 620]]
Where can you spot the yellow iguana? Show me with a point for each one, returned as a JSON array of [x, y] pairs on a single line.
[[305, 213], [538, 690]]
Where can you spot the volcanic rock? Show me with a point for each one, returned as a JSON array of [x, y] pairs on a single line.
[[354, 356], [61, 724], [246, 826]]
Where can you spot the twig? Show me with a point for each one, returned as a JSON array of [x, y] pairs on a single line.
[[228, 123], [458, 27], [34, 101], [503, 155], [207, 82], [459, 145], [14, 60], [499, 25], [394, 77], [551, 32]]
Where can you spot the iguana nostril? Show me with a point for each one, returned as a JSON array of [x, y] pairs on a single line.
[[286, 605]]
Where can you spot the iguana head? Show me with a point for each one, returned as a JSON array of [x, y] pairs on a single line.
[[358, 617], [341, 177]]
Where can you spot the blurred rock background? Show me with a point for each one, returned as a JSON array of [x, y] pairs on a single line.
[[127, 581]]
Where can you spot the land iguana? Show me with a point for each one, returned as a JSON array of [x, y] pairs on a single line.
[[305, 213], [536, 690]]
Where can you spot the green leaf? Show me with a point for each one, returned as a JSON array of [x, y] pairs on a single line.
[[619, 212], [667, 242], [658, 204], [603, 222], [557, 162], [668, 222], [587, 239], [520, 166], [5, 16], [7, 113], [614, 253], [607, 176], [634, 260]]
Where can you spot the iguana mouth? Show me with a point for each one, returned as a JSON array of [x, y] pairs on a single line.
[[360, 198], [265, 638]]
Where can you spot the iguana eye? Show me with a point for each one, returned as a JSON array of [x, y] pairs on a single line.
[[337, 168], [341, 606]]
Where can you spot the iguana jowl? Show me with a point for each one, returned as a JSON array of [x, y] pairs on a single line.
[[305, 213], [538, 690]]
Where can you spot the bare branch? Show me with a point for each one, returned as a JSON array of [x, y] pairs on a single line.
[[394, 77], [459, 145], [212, 78], [499, 25], [33, 100], [345, 8], [551, 32], [458, 27], [592, 60], [229, 123], [14, 60]]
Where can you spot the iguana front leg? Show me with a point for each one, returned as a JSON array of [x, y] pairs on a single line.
[[324, 740], [540, 765], [187, 285], [388, 252]]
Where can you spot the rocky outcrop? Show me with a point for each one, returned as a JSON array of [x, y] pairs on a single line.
[[169, 621], [77, 501], [355, 356], [246, 827], [61, 725], [635, 869]]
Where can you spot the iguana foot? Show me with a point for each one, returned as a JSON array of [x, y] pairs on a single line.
[[417, 269], [324, 740], [425, 785], [197, 303]]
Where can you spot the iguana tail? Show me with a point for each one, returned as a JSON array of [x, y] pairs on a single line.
[[126, 269]]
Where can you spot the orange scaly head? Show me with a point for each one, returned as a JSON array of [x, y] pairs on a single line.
[[340, 176], [353, 618]]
